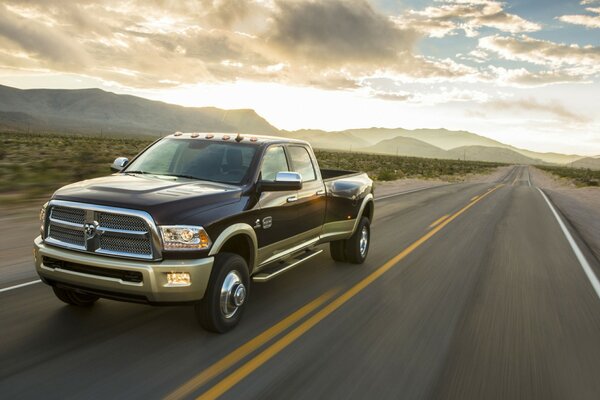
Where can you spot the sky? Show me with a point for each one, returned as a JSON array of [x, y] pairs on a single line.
[[525, 72]]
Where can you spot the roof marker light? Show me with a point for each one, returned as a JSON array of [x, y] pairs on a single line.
[[195, 135], [253, 139], [209, 136], [178, 134], [226, 137]]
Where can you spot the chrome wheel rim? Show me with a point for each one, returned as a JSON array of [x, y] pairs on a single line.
[[233, 294], [363, 244]]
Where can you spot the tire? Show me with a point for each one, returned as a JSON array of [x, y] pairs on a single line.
[[226, 295], [337, 250], [353, 249], [73, 298], [357, 247]]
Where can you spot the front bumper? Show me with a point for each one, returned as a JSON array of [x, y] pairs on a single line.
[[153, 287]]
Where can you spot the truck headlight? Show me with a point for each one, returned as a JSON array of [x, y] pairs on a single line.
[[184, 237], [43, 218]]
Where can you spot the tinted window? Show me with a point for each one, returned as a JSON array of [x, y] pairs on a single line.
[[274, 161], [302, 163], [197, 159]]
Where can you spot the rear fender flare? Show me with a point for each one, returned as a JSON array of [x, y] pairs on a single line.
[[368, 199]]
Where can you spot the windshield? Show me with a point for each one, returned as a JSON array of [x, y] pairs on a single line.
[[196, 159]]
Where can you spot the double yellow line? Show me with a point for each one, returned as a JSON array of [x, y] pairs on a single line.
[[254, 363]]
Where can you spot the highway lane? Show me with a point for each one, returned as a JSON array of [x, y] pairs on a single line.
[[493, 304]]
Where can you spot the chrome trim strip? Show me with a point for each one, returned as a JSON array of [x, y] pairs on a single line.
[[287, 252], [58, 243], [263, 277], [123, 231], [156, 243], [66, 224]]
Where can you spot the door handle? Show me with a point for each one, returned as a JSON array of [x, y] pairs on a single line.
[[292, 199], [320, 192]]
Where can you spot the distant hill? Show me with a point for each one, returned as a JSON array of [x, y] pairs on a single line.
[[15, 121], [92, 110], [587, 162], [497, 154], [328, 140], [404, 146], [441, 138]]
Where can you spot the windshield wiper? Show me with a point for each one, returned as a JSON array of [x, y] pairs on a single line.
[[137, 172], [181, 176]]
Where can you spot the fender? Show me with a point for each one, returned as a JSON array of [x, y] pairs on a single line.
[[234, 230], [368, 199]]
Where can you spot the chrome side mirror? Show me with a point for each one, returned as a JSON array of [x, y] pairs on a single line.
[[119, 164], [284, 181]]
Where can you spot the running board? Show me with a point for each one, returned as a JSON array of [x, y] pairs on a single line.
[[284, 266]]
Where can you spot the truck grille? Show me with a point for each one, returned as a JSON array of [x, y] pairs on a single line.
[[101, 230]]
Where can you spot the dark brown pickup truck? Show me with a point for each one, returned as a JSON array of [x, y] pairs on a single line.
[[194, 217]]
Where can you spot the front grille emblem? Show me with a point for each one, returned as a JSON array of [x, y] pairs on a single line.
[[92, 239], [90, 229]]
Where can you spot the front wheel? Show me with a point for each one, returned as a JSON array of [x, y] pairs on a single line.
[[225, 299]]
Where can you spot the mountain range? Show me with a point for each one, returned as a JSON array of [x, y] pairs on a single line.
[[95, 111]]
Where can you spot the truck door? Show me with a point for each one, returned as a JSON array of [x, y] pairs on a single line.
[[311, 203], [276, 216]]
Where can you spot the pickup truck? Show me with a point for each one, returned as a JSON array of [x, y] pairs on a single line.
[[194, 218]]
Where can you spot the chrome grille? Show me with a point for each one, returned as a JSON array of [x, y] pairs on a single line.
[[67, 235], [102, 230], [124, 244], [73, 215], [122, 222]]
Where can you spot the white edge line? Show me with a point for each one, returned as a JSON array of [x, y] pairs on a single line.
[[580, 257], [411, 191], [19, 286]]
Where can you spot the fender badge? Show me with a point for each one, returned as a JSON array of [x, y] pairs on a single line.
[[267, 222]]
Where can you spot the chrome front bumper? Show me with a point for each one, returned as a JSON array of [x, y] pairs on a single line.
[[153, 287]]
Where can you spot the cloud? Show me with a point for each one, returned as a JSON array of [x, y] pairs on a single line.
[[330, 44], [521, 77], [337, 33], [589, 21], [543, 52], [49, 46], [528, 105], [469, 16]]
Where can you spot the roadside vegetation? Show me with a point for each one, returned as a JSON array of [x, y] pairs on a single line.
[[388, 168], [579, 176], [32, 166]]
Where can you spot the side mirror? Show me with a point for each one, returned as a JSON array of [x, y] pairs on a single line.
[[284, 181], [119, 164]]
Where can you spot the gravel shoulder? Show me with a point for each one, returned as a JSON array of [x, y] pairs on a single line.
[[581, 206]]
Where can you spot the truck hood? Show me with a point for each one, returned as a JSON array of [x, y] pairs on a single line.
[[169, 201]]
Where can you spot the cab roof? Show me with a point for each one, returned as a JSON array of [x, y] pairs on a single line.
[[235, 137]]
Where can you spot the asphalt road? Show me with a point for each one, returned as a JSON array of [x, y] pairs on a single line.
[[470, 291]]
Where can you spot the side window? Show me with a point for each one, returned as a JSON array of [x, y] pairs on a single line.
[[302, 163], [274, 161]]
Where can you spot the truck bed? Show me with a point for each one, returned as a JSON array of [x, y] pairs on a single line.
[[332, 174]]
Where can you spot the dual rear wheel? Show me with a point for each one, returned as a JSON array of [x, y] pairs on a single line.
[[354, 249]]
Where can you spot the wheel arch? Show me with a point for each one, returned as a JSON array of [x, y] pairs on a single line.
[[367, 208], [239, 239]]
